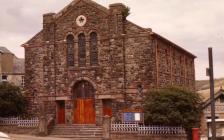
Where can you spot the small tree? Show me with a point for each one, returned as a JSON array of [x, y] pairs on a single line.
[[126, 13], [173, 106], [12, 102]]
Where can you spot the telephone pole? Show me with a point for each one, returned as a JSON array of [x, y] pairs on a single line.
[[211, 78]]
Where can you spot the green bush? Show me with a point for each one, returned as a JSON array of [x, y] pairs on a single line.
[[12, 102], [173, 106]]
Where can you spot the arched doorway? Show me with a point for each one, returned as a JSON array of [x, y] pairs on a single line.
[[84, 103]]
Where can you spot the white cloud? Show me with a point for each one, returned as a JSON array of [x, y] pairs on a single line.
[[193, 24]]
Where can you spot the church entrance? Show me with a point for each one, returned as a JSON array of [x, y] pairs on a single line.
[[84, 103]]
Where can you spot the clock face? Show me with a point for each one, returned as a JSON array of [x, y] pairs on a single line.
[[81, 20]]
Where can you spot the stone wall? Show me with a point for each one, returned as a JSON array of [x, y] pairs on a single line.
[[174, 65], [34, 76], [115, 136]]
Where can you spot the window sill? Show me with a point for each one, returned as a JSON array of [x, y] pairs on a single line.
[[83, 68]]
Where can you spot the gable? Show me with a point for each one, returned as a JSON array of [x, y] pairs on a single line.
[[80, 8], [217, 96], [37, 40], [70, 11], [75, 6]]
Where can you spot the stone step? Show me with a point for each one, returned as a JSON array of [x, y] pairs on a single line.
[[77, 126], [79, 133], [86, 131], [89, 132], [81, 125], [96, 128], [76, 136], [75, 132], [75, 129], [79, 130]]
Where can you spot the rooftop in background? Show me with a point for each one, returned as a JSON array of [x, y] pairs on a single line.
[[11, 64], [5, 50], [203, 87]]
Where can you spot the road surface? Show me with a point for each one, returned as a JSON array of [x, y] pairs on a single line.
[[28, 137]]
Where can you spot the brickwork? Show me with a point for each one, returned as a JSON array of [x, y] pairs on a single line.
[[128, 56]]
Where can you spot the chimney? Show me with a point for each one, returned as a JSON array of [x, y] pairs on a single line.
[[117, 8], [117, 18], [49, 27], [48, 18]]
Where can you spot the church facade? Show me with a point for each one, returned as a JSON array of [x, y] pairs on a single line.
[[88, 61]]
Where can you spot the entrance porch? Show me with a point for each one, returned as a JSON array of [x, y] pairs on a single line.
[[83, 107]]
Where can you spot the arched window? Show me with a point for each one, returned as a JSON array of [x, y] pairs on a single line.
[[83, 90], [93, 49], [70, 50], [82, 50]]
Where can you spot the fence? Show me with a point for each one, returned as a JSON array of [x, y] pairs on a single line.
[[146, 130], [17, 121]]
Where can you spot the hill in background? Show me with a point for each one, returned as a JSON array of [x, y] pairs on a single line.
[[18, 65], [203, 87]]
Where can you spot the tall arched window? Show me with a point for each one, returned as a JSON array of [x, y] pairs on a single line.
[[82, 50], [93, 49], [70, 50]]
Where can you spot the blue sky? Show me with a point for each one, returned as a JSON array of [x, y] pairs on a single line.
[[192, 24]]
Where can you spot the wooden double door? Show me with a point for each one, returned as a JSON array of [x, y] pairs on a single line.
[[84, 111], [84, 103]]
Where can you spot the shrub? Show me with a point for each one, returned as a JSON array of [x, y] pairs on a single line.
[[12, 101], [173, 106]]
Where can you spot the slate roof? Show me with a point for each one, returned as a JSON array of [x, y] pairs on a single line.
[[5, 50], [217, 95]]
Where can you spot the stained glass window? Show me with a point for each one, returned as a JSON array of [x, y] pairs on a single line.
[[82, 50], [70, 50], [93, 49]]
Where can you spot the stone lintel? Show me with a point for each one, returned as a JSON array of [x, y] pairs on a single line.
[[117, 96], [62, 98]]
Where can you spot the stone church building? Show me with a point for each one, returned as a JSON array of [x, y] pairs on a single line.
[[89, 61]]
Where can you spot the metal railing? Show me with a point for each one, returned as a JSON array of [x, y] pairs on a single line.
[[146, 130], [20, 122]]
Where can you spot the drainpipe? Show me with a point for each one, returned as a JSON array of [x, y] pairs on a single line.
[[124, 68], [124, 61]]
